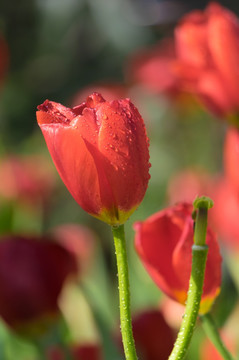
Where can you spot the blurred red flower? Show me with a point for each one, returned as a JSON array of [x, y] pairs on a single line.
[[201, 60], [22, 180], [208, 42], [100, 150], [164, 243], [231, 157], [87, 352], [32, 273], [153, 337], [80, 352]]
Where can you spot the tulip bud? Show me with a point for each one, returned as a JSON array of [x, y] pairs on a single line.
[[100, 150], [164, 243]]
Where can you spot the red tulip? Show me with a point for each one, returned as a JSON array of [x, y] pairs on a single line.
[[201, 60], [164, 243], [208, 42], [231, 157], [88, 351], [100, 150], [32, 273], [153, 337]]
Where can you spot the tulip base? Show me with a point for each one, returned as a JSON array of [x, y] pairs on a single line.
[[124, 293]]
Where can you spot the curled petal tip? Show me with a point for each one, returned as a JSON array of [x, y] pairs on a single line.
[[94, 99], [45, 106]]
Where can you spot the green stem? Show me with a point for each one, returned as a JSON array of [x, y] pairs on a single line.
[[211, 330], [124, 293], [193, 302], [200, 227], [199, 257]]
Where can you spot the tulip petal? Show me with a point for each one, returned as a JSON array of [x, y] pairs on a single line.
[[191, 39], [123, 145], [75, 164], [223, 32]]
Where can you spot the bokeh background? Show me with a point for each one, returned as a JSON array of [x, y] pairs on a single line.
[[62, 51]]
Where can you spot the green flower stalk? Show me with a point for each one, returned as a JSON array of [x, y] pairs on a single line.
[[124, 293]]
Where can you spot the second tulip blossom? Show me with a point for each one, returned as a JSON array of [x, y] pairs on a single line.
[[208, 42], [164, 243], [202, 61], [100, 150]]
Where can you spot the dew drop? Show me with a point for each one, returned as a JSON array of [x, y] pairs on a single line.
[[129, 115]]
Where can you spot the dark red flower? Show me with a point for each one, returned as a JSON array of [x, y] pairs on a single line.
[[153, 337], [87, 352], [164, 243], [100, 150], [32, 273]]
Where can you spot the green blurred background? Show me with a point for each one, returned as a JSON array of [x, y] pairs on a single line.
[[56, 49]]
